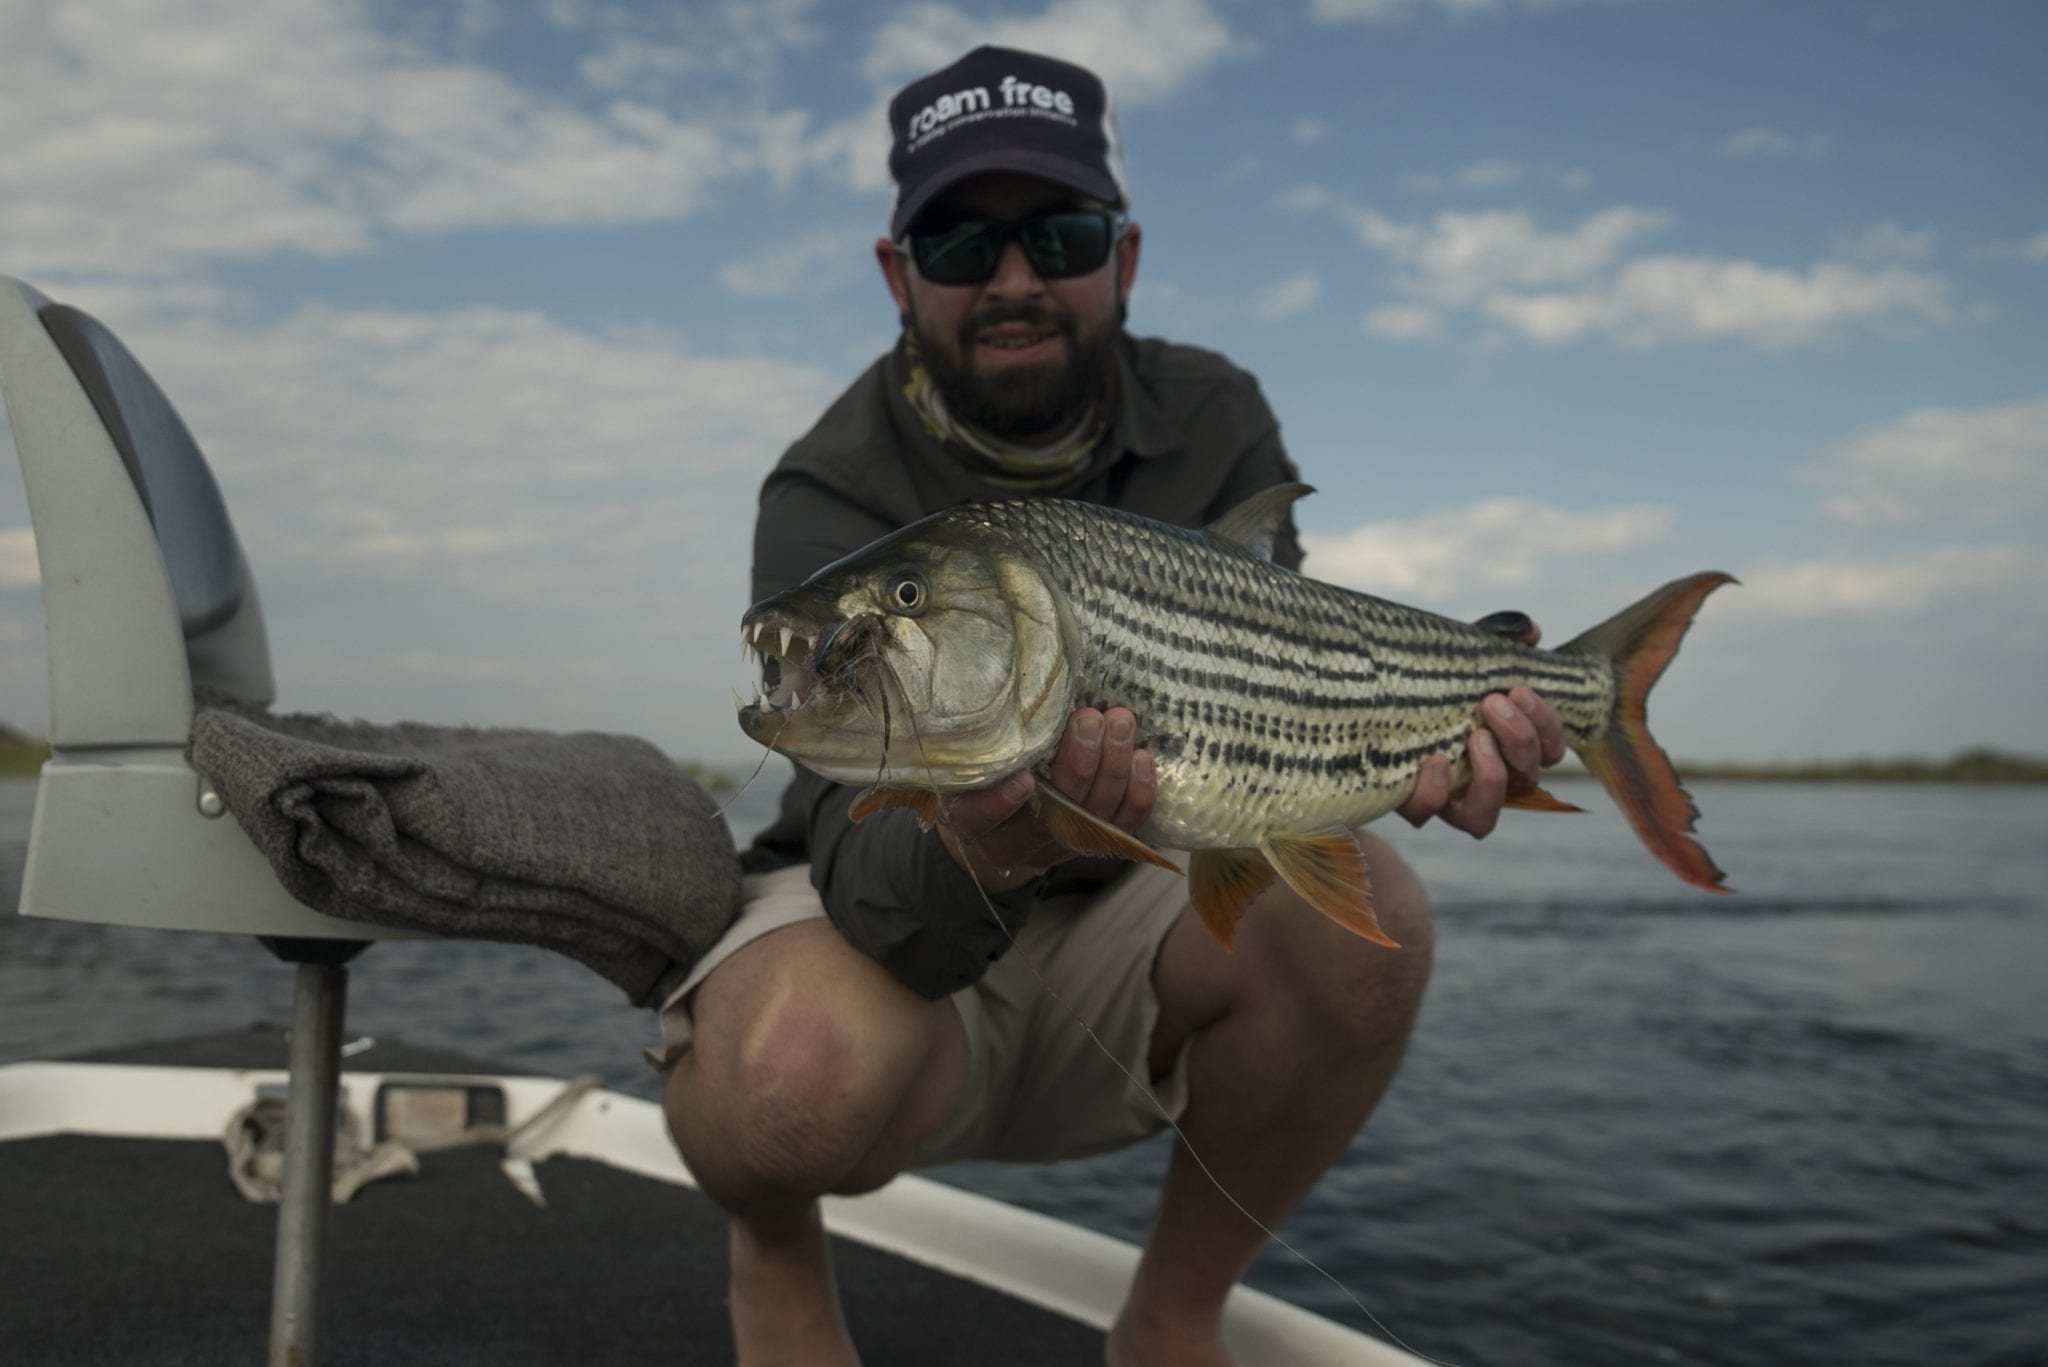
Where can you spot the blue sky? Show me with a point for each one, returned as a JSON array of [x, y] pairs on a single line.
[[492, 315]]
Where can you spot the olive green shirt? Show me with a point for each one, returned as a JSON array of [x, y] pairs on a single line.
[[1192, 438]]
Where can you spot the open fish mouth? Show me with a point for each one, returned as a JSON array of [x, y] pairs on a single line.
[[840, 665], [786, 679]]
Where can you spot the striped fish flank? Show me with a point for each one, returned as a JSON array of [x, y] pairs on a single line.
[[1282, 712]]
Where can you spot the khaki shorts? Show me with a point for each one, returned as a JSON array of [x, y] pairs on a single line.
[[1037, 1087]]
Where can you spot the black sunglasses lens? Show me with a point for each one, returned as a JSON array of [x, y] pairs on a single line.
[[961, 254], [1059, 245]]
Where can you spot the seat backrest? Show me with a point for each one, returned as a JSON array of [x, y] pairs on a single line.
[[145, 594], [145, 589]]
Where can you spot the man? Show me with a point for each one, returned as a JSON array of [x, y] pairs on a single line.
[[867, 1013]]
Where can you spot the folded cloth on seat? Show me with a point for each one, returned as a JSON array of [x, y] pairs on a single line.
[[595, 846]]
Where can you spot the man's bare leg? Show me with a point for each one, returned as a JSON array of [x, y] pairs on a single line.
[[1296, 1037], [813, 1072]]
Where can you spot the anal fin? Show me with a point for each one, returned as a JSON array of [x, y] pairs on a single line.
[[1525, 796], [1221, 884], [1083, 832], [1328, 872], [923, 801]]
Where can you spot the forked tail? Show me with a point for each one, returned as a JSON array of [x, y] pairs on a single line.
[[1640, 641]]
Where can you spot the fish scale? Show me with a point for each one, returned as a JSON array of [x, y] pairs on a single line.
[[1271, 702]]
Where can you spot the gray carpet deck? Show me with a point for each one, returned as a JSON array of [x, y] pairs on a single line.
[[137, 1251]]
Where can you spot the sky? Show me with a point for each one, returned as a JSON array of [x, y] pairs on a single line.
[[492, 315]]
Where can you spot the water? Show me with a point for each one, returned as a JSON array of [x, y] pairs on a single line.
[[1807, 1124]]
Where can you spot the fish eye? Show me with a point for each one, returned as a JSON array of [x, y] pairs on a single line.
[[907, 595]]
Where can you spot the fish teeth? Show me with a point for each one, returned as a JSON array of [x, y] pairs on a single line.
[[786, 635]]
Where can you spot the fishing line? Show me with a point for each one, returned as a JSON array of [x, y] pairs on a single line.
[[768, 750], [1187, 1143], [1152, 1096]]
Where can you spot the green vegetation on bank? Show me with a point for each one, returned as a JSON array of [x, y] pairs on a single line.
[[1980, 765], [715, 781], [18, 753]]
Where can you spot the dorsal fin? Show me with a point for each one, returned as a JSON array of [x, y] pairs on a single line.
[[1253, 524]]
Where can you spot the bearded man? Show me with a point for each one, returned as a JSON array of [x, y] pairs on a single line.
[[866, 1014]]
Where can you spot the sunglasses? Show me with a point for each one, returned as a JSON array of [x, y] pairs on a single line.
[[1059, 243]]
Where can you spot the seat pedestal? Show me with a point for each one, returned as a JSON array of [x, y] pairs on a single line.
[[319, 1003]]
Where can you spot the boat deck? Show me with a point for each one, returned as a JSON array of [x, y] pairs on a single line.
[[142, 1251]]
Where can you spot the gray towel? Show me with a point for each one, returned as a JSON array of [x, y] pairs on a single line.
[[595, 846]]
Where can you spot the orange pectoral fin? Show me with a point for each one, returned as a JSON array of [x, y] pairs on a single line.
[[1524, 795], [923, 801], [1328, 872], [1083, 832], [1221, 884]]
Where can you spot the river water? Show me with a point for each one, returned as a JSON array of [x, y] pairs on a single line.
[[1805, 1124]]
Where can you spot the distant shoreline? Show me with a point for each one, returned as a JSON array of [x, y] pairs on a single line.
[[22, 757], [1970, 766]]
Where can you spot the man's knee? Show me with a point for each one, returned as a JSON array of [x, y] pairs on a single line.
[[809, 1074], [1362, 995]]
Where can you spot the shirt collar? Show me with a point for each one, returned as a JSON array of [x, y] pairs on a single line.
[[1140, 426]]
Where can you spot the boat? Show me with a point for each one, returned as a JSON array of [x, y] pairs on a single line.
[[500, 1217]]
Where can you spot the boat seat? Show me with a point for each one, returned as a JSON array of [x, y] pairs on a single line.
[[146, 595]]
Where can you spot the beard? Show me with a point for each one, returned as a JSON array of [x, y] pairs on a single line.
[[1020, 403]]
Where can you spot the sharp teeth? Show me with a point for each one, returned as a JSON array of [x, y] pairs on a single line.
[[786, 635], [796, 698]]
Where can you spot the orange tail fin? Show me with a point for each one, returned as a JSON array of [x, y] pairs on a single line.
[[1640, 641]]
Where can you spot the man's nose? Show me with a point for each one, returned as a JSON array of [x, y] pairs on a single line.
[[1015, 277]]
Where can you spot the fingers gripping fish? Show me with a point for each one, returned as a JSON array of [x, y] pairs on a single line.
[[1282, 712]]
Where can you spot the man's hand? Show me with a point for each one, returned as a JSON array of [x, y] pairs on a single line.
[[1522, 735], [995, 835]]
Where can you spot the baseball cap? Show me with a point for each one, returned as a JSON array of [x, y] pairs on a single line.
[[999, 109]]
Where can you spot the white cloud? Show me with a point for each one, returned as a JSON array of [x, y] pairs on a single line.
[[1311, 130], [1655, 300], [1490, 175], [1289, 298], [2035, 248], [1500, 543], [1553, 286], [1389, 11], [1936, 465], [1891, 586], [1887, 241], [1761, 141], [650, 49], [1496, 174], [299, 127], [812, 263], [1405, 322]]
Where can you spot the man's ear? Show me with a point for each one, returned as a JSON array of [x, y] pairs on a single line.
[[895, 273], [1127, 248]]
